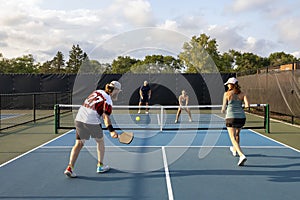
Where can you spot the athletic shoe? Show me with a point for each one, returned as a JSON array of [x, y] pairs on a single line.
[[69, 172], [233, 152], [242, 160], [190, 120], [139, 112], [102, 168], [147, 112], [176, 121]]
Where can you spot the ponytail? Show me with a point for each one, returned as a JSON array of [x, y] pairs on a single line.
[[237, 88], [108, 88]]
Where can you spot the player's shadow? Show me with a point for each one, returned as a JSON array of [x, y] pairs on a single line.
[[272, 175], [116, 175], [290, 176], [272, 156]]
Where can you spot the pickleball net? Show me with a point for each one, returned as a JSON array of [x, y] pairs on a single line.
[[162, 117]]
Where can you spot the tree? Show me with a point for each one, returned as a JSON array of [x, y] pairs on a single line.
[[4, 64], [174, 63], [100, 68], [46, 68], [281, 58], [58, 63], [226, 62], [122, 64], [157, 64], [24, 64], [248, 62], [76, 57], [200, 55]]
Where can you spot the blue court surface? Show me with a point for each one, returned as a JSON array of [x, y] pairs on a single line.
[[157, 165], [8, 116]]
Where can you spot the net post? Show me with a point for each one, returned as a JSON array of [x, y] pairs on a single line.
[[34, 107], [267, 118], [56, 118], [0, 111], [161, 118]]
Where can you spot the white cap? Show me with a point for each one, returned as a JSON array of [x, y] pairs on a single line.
[[231, 80], [115, 84]]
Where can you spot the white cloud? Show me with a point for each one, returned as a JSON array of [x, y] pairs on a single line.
[[261, 47], [44, 32], [138, 12], [28, 28], [229, 38], [186, 25], [169, 24], [190, 23], [296, 54], [289, 31], [247, 5], [130, 13]]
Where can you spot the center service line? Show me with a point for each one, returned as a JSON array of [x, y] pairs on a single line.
[[168, 180]]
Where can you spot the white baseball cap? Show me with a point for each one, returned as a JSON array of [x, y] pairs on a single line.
[[231, 80], [115, 84]]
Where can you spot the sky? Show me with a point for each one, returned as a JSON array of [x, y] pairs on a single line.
[[121, 27]]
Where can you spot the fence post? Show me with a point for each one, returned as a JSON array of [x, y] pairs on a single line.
[[267, 119], [33, 105], [56, 118], [0, 110]]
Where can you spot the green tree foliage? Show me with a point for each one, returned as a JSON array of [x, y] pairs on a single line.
[[200, 55], [122, 64], [24, 64], [56, 65], [4, 64], [58, 62], [157, 64], [45, 68], [94, 67], [248, 62], [226, 62], [281, 58], [100, 67], [76, 58]]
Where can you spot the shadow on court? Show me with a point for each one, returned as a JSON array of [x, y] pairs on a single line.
[[271, 172]]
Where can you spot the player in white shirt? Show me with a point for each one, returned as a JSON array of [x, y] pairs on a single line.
[[87, 122]]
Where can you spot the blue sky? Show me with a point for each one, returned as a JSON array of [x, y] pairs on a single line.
[[43, 27]]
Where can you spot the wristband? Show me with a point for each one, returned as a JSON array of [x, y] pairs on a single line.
[[110, 128]]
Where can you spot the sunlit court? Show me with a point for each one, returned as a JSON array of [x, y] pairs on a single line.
[[154, 100], [161, 162]]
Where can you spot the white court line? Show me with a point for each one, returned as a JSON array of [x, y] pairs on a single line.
[[274, 140], [33, 149], [158, 119], [168, 180], [250, 147]]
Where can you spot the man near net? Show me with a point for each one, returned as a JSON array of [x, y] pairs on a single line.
[[145, 95], [235, 115], [87, 122], [183, 100]]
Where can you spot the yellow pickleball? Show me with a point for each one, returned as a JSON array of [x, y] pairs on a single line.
[[138, 118]]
